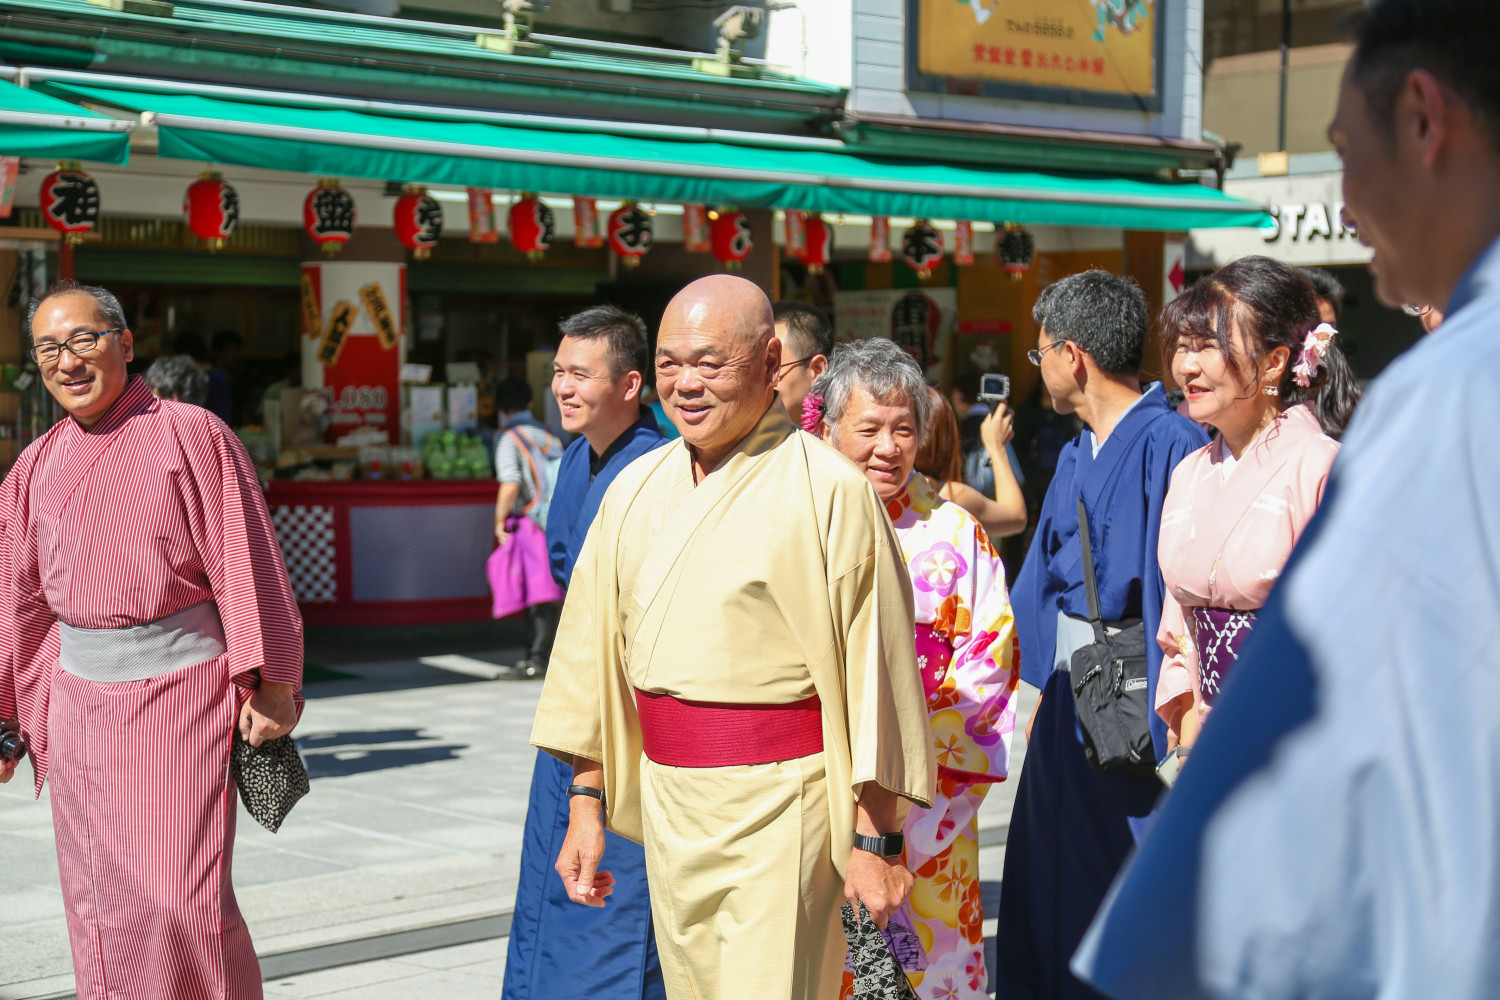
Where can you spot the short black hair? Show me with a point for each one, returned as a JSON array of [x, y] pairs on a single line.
[[512, 394], [808, 326], [1103, 313], [1454, 40], [622, 330], [1330, 289]]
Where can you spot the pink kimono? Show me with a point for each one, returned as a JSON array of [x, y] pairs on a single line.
[[144, 597], [1227, 528], [967, 652]]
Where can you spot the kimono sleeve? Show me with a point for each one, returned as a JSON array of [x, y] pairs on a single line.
[[985, 669], [241, 556], [1176, 688], [889, 740], [28, 628], [569, 719]]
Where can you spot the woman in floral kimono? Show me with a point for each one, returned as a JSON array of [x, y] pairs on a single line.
[[873, 406], [1257, 363]]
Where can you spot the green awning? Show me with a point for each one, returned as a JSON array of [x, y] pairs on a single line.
[[36, 124], [452, 148]]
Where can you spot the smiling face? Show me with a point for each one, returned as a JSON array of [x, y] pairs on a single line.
[[880, 438], [587, 391], [85, 386], [716, 364], [1218, 392]]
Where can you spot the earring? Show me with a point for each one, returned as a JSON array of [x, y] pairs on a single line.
[[1271, 390]]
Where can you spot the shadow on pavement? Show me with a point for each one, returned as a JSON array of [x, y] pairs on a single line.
[[337, 755]]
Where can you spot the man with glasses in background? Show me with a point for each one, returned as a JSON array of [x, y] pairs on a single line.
[[145, 617], [806, 339], [1073, 826]]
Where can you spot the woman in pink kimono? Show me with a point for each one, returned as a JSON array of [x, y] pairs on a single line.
[[1248, 347], [873, 406]]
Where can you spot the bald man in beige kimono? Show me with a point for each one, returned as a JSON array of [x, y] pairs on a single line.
[[734, 679]]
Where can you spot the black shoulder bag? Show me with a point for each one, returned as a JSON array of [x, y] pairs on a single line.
[[1110, 685]]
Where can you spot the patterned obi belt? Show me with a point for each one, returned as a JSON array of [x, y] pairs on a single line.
[[192, 636], [681, 733], [1218, 634]]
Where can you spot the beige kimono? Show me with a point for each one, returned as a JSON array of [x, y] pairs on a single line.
[[776, 578]]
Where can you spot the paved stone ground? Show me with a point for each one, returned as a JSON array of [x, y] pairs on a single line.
[[420, 776]]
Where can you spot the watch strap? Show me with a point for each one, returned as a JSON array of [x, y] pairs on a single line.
[[889, 845], [593, 793]]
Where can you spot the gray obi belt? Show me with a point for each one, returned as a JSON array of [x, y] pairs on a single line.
[[192, 636]]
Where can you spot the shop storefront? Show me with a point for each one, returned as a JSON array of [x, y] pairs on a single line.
[[387, 260]]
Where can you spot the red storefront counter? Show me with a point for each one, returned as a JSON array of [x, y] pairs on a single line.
[[387, 553]]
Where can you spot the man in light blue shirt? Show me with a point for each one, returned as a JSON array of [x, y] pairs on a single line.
[[1334, 833]]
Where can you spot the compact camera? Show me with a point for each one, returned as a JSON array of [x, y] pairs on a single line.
[[994, 388], [12, 740]]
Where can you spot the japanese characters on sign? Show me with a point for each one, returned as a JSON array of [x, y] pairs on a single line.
[[695, 229], [312, 310], [482, 227], [586, 223], [1016, 248], [373, 297], [531, 226], [922, 247], [336, 332], [630, 233], [1102, 51], [418, 221], [212, 209], [731, 238], [328, 215]]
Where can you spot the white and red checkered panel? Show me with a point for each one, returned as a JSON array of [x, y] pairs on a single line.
[[307, 544]]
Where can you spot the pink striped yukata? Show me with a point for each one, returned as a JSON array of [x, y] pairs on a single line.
[[153, 512]]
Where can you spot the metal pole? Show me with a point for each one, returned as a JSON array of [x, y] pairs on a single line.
[[1286, 48]]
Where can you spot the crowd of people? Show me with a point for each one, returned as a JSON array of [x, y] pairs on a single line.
[[785, 671]]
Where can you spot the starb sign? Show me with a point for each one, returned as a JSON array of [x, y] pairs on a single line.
[[1309, 222]]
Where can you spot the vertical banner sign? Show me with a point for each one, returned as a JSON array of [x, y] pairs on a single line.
[[695, 229], [963, 243], [482, 217], [586, 223], [795, 243], [373, 297], [880, 239], [1174, 269], [336, 332], [312, 311], [10, 167]]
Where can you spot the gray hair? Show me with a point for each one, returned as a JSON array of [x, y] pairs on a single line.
[[178, 377], [890, 375], [110, 309]]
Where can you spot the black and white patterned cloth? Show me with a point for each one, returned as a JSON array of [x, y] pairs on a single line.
[[271, 777], [877, 975]]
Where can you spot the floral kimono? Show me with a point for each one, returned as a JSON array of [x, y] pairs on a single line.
[[968, 656]]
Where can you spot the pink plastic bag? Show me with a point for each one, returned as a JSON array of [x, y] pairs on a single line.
[[519, 572]]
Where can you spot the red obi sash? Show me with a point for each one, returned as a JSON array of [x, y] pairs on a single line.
[[681, 733]]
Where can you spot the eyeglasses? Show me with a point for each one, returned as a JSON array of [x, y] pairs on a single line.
[[793, 364], [80, 344], [1035, 354]]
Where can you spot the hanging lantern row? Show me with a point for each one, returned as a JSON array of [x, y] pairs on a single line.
[[418, 221], [70, 201]]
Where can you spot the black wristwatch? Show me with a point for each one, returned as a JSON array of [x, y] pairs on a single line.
[[593, 793], [887, 846]]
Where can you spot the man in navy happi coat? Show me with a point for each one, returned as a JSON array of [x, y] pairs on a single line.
[[1073, 827], [558, 949], [1334, 833]]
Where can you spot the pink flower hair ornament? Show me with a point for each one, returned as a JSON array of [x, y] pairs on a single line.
[[1314, 348], [812, 413]]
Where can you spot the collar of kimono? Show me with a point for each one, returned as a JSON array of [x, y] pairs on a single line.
[[774, 427], [135, 397], [916, 495]]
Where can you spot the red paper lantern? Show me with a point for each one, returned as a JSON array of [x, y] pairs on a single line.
[[70, 201], [212, 208], [1016, 249], [531, 227], [817, 249], [729, 236], [328, 215], [418, 221], [629, 233], [922, 247]]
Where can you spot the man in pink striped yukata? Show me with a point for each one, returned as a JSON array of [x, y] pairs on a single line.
[[145, 615]]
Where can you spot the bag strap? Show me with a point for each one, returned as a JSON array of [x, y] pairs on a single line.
[[536, 479], [1090, 586]]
